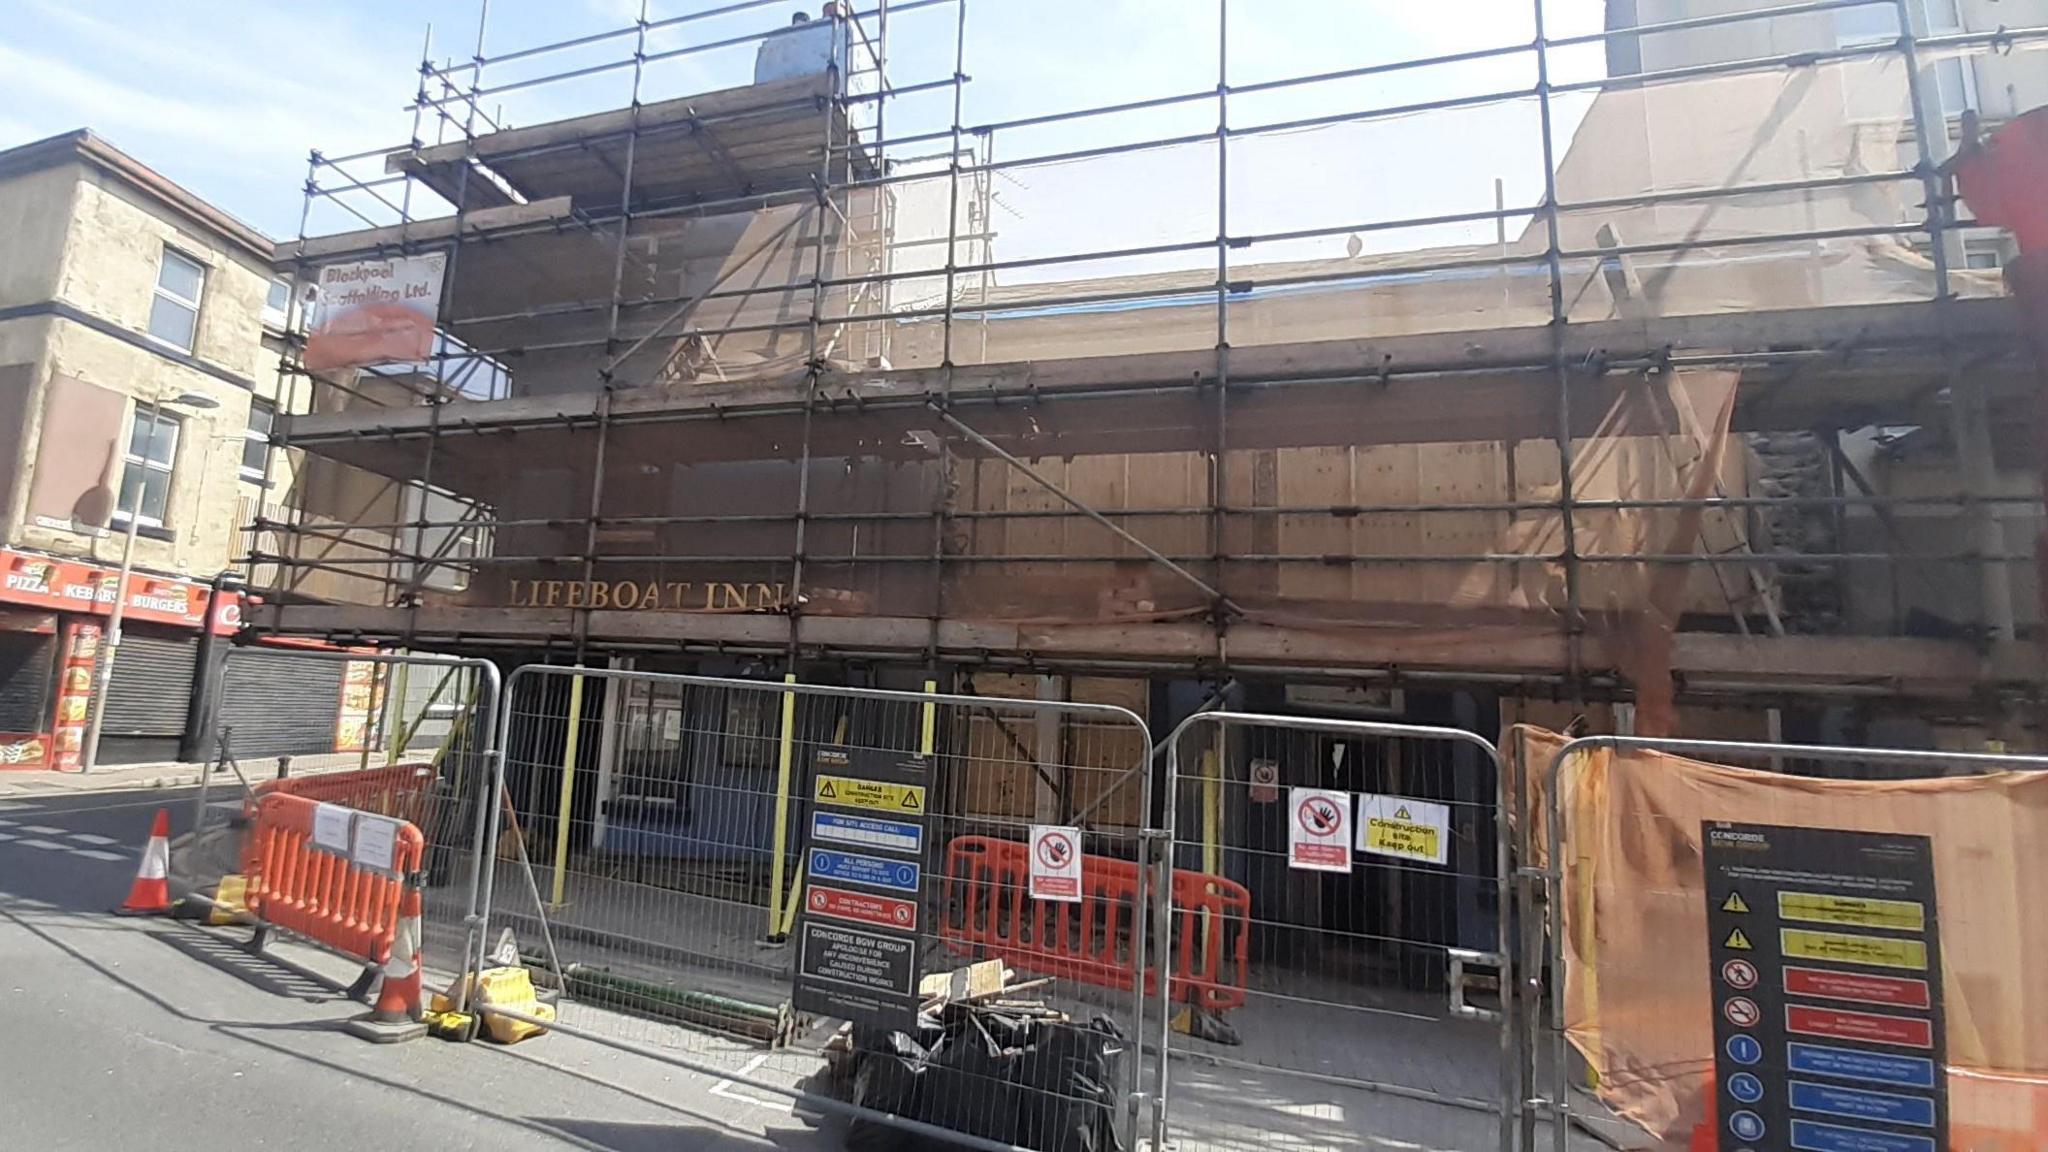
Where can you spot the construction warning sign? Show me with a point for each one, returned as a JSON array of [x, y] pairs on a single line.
[[1403, 828], [1825, 966], [1319, 833], [858, 943], [878, 795], [1056, 863]]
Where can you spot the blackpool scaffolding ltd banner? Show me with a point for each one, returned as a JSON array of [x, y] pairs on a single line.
[[375, 312]]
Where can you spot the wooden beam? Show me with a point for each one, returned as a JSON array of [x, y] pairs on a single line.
[[1909, 666]]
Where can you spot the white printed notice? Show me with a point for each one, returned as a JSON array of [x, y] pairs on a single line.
[[376, 843], [1055, 863], [1403, 828], [1319, 834], [330, 827]]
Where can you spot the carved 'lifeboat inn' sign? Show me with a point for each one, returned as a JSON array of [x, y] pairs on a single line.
[[648, 595]]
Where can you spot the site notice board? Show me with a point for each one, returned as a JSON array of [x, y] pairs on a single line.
[[864, 861], [1826, 971]]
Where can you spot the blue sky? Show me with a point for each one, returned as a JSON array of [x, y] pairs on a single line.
[[226, 97]]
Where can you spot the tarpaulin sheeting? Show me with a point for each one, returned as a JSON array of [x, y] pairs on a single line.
[[1638, 998]]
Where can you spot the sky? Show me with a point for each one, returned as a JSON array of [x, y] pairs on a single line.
[[226, 97]]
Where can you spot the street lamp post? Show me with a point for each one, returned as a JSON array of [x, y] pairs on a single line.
[[111, 642]]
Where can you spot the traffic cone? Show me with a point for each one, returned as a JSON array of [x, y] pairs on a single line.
[[399, 998], [150, 895]]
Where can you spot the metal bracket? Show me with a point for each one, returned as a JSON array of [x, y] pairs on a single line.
[[1461, 960]]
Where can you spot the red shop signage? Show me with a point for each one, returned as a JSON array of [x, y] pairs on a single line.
[[72, 586]]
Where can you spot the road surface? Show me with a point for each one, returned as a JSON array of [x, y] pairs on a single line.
[[163, 1036]]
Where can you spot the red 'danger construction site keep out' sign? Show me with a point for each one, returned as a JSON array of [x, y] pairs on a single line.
[[1319, 830]]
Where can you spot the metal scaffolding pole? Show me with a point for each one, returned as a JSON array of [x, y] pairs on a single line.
[[1574, 617]]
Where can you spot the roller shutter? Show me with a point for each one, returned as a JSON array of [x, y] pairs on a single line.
[[27, 663], [277, 703], [152, 683]]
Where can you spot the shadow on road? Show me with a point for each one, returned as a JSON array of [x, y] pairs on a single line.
[[279, 978]]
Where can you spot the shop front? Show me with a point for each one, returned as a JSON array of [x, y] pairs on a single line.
[[52, 624]]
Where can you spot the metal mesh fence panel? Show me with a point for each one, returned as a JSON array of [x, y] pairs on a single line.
[[1337, 919], [811, 889], [413, 738]]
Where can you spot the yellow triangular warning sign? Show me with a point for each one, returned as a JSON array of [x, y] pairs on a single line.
[[1735, 903], [910, 800], [827, 792], [1401, 813], [1738, 941]]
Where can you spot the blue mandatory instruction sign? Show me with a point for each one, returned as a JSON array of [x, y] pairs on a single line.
[[1850, 1064], [1857, 1104], [868, 832], [852, 868], [1810, 1136]]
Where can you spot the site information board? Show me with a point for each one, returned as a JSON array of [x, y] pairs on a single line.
[[1826, 970], [857, 942]]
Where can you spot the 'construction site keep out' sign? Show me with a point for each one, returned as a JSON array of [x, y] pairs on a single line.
[[1403, 828], [876, 795]]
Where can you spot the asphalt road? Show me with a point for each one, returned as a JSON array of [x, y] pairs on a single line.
[[160, 1035]]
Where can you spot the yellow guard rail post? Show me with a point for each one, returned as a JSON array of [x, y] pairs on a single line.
[[562, 811], [785, 757]]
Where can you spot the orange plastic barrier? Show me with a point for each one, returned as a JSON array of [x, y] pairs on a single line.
[[402, 790], [319, 894], [990, 914]]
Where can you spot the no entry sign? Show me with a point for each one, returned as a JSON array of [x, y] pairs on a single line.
[[1319, 834], [1055, 863]]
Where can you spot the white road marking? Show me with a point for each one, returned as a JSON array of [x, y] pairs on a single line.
[[93, 838], [42, 829], [5, 836], [725, 1088], [96, 854], [51, 845]]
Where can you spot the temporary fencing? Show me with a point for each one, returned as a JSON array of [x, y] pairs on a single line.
[[725, 863], [1302, 931], [332, 876], [421, 733], [1718, 916], [1370, 865]]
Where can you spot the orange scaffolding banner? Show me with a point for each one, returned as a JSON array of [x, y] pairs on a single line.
[[1634, 885]]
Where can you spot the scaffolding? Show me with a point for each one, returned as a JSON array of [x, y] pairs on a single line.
[[1600, 347]]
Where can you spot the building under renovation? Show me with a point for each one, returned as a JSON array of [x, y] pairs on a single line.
[[1634, 355], [1636, 366]]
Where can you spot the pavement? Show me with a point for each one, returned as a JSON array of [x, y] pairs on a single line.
[[165, 1035], [167, 774]]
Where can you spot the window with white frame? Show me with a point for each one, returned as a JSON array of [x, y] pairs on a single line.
[[146, 478], [277, 304], [174, 313], [1986, 251], [1878, 23], [256, 438]]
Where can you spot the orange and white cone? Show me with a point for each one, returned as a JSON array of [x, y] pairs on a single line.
[[150, 895], [398, 999]]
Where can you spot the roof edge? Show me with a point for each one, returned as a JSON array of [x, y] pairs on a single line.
[[86, 145]]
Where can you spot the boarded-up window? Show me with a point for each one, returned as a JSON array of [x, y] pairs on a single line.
[[77, 455]]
